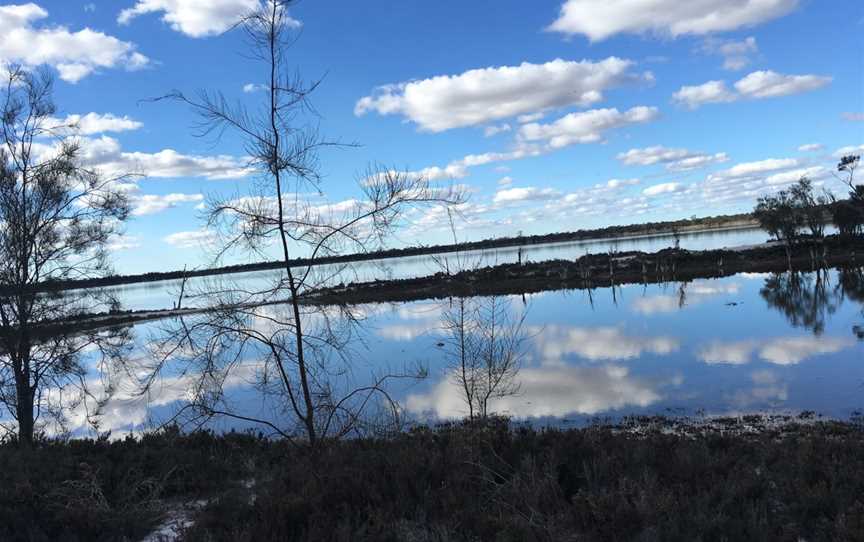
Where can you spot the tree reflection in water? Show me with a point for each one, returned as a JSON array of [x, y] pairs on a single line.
[[808, 299]]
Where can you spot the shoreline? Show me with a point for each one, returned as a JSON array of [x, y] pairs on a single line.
[[624, 233], [597, 271], [586, 273]]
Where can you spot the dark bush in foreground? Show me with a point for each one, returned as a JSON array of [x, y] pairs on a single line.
[[457, 482]]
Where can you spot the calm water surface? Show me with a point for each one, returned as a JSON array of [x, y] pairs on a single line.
[[750, 343], [161, 295]]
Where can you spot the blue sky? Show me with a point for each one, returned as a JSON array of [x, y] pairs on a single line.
[[555, 114]]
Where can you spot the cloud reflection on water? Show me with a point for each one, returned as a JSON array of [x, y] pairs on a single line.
[[780, 351], [550, 391]]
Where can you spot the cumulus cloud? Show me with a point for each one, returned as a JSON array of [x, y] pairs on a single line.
[[770, 84], [122, 242], [601, 19], [481, 96], [736, 54], [496, 129], [249, 88], [811, 147], [74, 54], [693, 96], [756, 85], [748, 180], [190, 239], [617, 183], [106, 154], [663, 188], [149, 204], [586, 126], [749, 169], [673, 159], [530, 193], [95, 123], [195, 18], [849, 149], [788, 177]]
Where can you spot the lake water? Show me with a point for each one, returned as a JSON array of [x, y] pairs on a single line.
[[749, 343], [163, 294]]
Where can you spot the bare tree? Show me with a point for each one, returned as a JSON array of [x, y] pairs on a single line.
[[484, 343], [56, 220], [299, 341]]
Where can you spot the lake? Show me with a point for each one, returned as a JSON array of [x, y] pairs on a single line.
[[749, 343], [163, 294]]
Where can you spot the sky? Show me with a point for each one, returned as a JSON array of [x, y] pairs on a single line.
[[554, 115]]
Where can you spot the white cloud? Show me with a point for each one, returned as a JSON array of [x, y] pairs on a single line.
[[853, 117], [74, 55], [617, 183], [190, 239], [663, 188], [674, 159], [749, 169], [106, 154], [149, 204], [493, 130], [600, 19], [505, 181], [849, 149], [196, 18], [585, 127], [531, 117], [811, 147], [95, 123], [90, 8], [530, 193], [770, 84], [756, 85], [710, 92], [122, 242], [788, 177], [249, 88], [484, 95], [736, 54]]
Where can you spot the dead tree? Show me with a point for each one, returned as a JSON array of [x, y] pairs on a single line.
[[302, 348]]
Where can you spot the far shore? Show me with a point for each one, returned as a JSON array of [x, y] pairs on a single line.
[[586, 273], [627, 232]]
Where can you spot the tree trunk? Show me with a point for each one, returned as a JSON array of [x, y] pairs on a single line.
[[24, 413]]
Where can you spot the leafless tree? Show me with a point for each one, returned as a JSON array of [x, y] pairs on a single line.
[[56, 220], [485, 344], [297, 342]]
